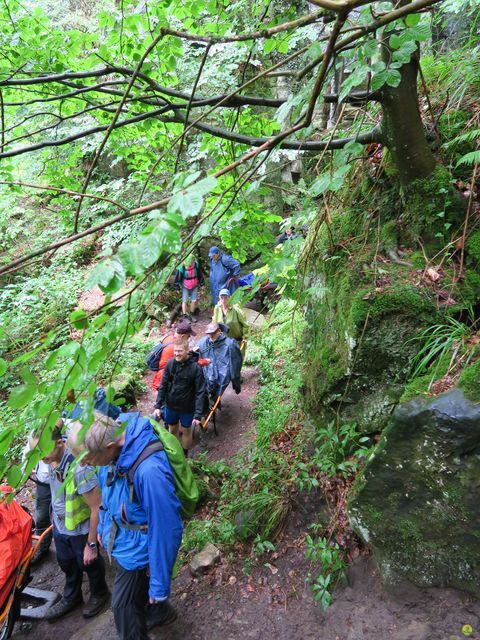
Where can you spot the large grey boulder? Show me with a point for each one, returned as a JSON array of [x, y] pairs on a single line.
[[418, 502]]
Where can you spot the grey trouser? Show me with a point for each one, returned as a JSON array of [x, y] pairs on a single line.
[[129, 600]]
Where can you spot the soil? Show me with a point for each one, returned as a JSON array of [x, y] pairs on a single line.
[[270, 598]]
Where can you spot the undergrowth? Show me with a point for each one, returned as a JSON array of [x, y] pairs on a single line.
[[246, 502]]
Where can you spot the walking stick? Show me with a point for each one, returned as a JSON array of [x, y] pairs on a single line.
[[205, 424]]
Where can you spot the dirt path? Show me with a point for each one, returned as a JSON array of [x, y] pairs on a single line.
[[272, 600]]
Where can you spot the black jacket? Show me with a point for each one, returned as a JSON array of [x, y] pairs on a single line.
[[183, 387]]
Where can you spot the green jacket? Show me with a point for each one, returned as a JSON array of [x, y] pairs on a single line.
[[235, 319]]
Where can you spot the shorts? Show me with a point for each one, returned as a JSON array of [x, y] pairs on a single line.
[[189, 293], [172, 417]]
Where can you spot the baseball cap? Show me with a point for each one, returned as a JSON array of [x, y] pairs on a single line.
[[224, 292], [212, 327], [185, 328], [212, 251]]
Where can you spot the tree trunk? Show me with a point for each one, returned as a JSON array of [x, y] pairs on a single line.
[[403, 130]]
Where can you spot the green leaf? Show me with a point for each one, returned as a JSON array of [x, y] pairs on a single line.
[[14, 476], [3, 367], [79, 319], [393, 78], [20, 396], [413, 19], [109, 275]]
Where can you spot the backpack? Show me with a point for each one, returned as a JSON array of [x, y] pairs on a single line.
[[184, 480], [153, 359]]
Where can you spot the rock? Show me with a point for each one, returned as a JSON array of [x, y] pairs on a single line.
[[413, 631], [418, 502], [255, 320], [208, 557]]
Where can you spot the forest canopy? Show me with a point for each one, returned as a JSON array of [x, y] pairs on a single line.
[[136, 130]]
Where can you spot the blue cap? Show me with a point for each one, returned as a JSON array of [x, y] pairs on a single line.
[[224, 292], [212, 251]]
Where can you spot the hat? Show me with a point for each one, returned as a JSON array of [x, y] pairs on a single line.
[[212, 328], [224, 292], [185, 328], [212, 251]]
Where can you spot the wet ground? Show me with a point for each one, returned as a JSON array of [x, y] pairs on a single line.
[[272, 600]]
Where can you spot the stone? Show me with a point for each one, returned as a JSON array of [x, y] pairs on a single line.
[[415, 630], [417, 503], [255, 319], [207, 558]]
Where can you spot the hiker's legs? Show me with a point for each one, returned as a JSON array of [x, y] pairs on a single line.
[[68, 564], [174, 429], [193, 300], [43, 499], [129, 600], [94, 571], [185, 296], [186, 430]]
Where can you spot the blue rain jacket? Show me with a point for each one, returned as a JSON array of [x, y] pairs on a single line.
[[100, 404], [225, 363], [155, 503], [221, 271]]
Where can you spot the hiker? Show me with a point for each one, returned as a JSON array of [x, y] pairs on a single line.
[[40, 476], [181, 394], [223, 268], [223, 361], [140, 524], [189, 278], [43, 498], [159, 356], [75, 512], [288, 234], [233, 317]]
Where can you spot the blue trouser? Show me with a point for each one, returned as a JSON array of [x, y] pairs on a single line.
[[70, 560]]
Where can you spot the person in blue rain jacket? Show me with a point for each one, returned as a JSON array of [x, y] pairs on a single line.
[[140, 523], [222, 269], [222, 361]]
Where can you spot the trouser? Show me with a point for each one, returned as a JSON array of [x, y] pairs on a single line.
[[70, 559], [129, 600], [42, 513]]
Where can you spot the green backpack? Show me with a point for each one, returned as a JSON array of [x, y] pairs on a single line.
[[185, 484]]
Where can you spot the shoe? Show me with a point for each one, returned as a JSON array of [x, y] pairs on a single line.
[[160, 614], [194, 319], [94, 605], [61, 608]]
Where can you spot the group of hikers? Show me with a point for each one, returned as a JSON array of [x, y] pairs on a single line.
[[124, 495]]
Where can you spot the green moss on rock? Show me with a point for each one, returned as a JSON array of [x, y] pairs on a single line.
[[469, 382], [423, 480]]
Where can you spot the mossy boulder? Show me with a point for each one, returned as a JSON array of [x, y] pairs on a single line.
[[417, 503]]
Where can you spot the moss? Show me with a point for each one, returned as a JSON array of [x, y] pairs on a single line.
[[404, 300], [473, 246], [469, 382], [389, 235], [432, 206]]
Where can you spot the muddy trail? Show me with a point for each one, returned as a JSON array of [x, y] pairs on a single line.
[[270, 598]]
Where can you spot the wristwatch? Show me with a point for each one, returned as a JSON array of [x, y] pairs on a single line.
[[92, 545]]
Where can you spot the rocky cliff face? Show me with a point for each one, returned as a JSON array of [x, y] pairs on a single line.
[[418, 502]]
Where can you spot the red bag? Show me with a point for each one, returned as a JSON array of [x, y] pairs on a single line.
[[15, 541]]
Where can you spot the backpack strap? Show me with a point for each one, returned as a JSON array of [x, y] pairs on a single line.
[[152, 447]]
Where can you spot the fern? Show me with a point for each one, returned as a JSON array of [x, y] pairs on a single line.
[[470, 136], [470, 159]]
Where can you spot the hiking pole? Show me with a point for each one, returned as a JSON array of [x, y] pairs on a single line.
[[205, 424]]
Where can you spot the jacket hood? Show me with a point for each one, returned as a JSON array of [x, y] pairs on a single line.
[[138, 434]]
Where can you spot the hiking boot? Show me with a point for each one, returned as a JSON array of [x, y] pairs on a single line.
[[160, 614], [61, 608], [94, 605]]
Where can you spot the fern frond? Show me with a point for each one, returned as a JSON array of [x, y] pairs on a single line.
[[469, 159]]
